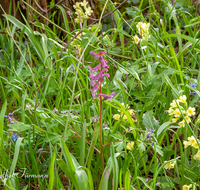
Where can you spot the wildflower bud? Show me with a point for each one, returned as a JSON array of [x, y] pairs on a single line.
[[148, 135], [152, 144], [105, 125], [63, 112], [55, 110], [152, 130], [10, 114], [40, 149], [93, 120]]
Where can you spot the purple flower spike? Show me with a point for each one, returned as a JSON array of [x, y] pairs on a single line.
[[99, 77], [107, 97]]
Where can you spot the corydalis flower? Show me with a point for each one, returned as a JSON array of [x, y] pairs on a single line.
[[99, 77]]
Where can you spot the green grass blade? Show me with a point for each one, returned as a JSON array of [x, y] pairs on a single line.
[[51, 171]]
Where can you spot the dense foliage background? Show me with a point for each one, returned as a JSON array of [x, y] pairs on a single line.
[[103, 97]]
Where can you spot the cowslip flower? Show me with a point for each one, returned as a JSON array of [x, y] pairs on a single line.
[[182, 123], [136, 39], [177, 113], [183, 99], [145, 26], [174, 120], [174, 104], [195, 145], [170, 111], [169, 165], [143, 29], [191, 141], [99, 77], [130, 145], [197, 155], [191, 111], [187, 187], [88, 11], [84, 3], [116, 116], [83, 12], [124, 118]]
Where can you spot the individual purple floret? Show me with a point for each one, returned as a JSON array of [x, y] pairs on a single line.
[[97, 118], [193, 85], [151, 130], [99, 55], [10, 114], [148, 136], [152, 144], [146, 179], [107, 97]]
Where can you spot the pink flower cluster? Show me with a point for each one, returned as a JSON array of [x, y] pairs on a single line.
[[98, 78]]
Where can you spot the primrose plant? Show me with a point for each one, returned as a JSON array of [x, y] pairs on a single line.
[[96, 82]]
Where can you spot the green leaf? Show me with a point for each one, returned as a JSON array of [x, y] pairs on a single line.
[[104, 179], [115, 168], [141, 147], [51, 171], [163, 128], [18, 126], [149, 121], [16, 154], [69, 164], [127, 180], [83, 180]]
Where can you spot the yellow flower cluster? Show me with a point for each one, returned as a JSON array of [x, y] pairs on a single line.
[[191, 141], [124, 118], [75, 43], [169, 165], [175, 111], [130, 145], [187, 187], [83, 11], [143, 30]]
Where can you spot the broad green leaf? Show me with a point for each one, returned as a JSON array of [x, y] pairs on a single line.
[[83, 180], [149, 121], [115, 168], [163, 127]]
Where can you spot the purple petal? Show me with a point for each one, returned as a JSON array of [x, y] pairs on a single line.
[[92, 82], [95, 87], [98, 75], [107, 97], [104, 65], [93, 94], [97, 54], [95, 68]]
